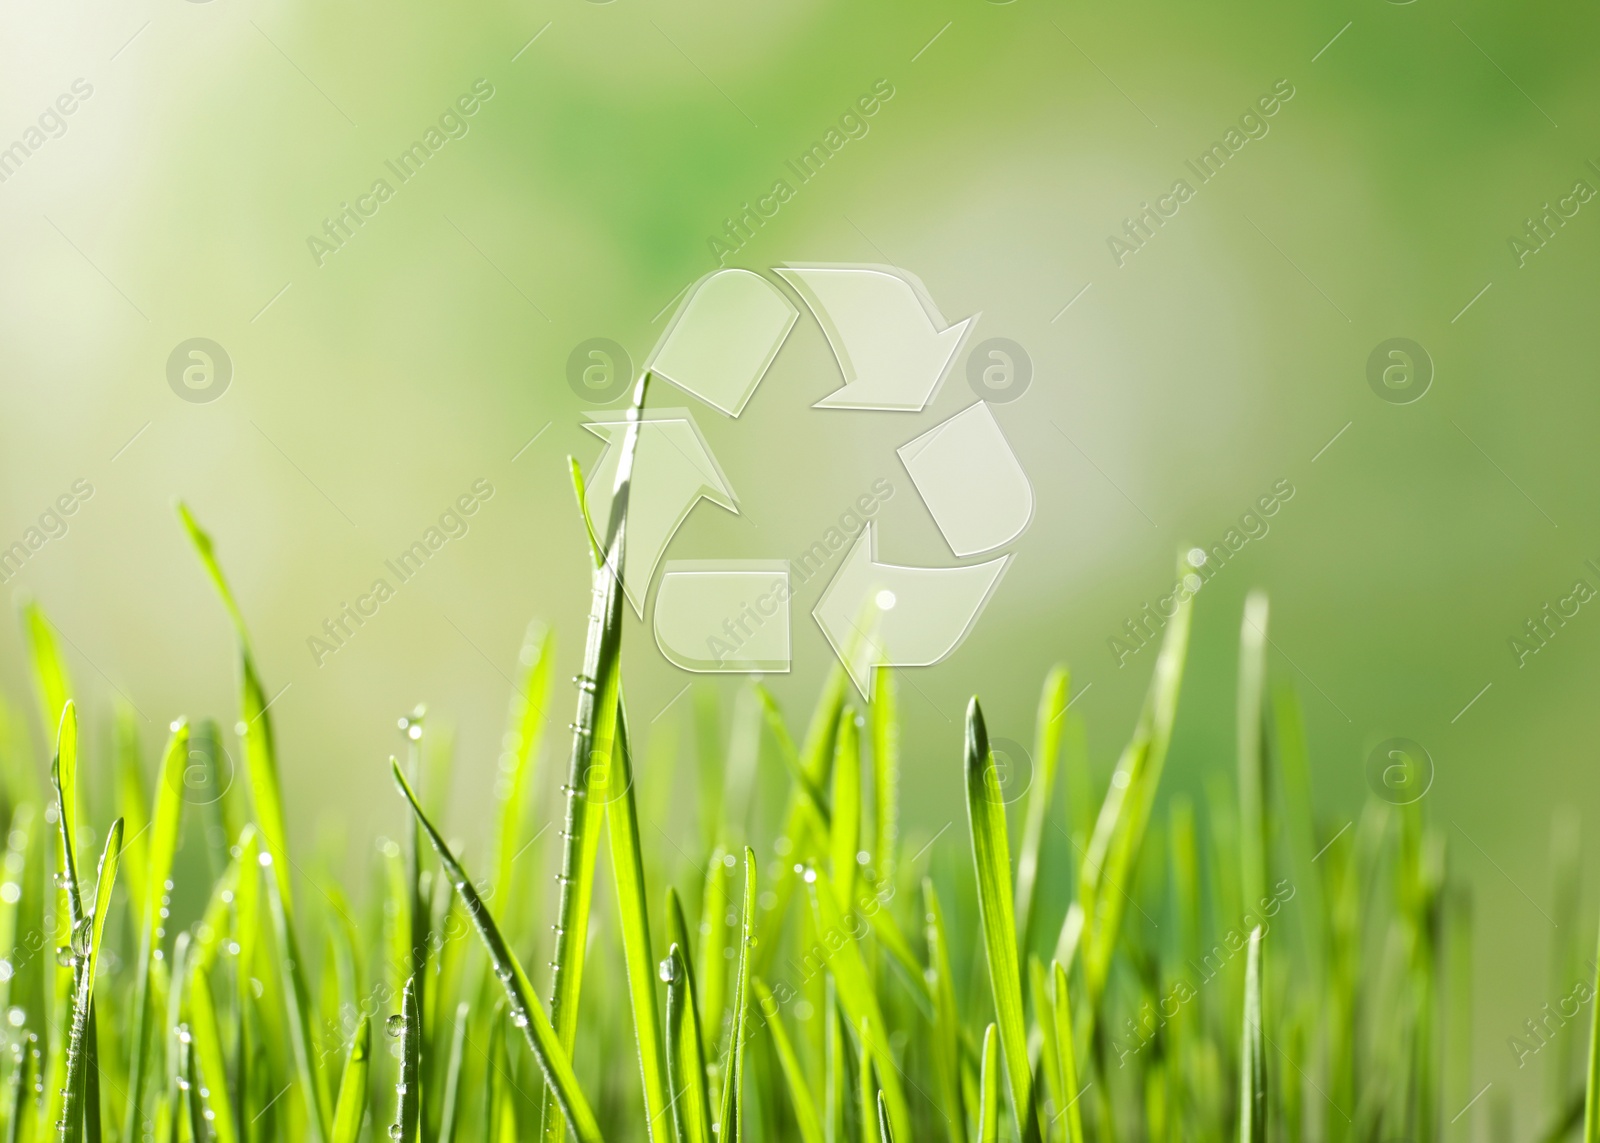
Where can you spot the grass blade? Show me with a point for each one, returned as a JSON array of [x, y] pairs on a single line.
[[527, 1014], [518, 763], [261, 759], [845, 835], [87, 936], [450, 1118], [867, 1089], [1046, 757], [1252, 1052], [989, 1088], [593, 743], [627, 867], [207, 1040], [991, 857], [297, 998], [946, 1018], [160, 849], [1067, 1052], [1591, 1090], [351, 1107], [885, 1129], [838, 945], [686, 1061], [408, 1087], [1252, 755], [49, 669], [884, 719], [731, 1118], [805, 1108]]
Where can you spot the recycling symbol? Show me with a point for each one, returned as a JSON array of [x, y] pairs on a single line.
[[894, 350]]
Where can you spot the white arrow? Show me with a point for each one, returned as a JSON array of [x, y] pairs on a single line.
[[673, 471], [892, 344], [885, 615]]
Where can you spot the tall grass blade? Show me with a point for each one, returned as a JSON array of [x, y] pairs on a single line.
[[519, 760], [884, 724], [527, 1014], [49, 669], [867, 1090], [160, 849], [87, 936], [1591, 1088], [1068, 1056], [1252, 1052], [885, 1128], [297, 999], [991, 858], [408, 1088], [1041, 793], [838, 944], [206, 1034], [261, 759], [845, 835], [731, 1117], [1105, 879], [1251, 745], [450, 1119], [686, 1061], [593, 743], [805, 1108], [351, 1108], [946, 1017], [989, 1088], [627, 867]]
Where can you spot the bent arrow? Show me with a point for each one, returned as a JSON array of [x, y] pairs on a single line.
[[891, 342], [724, 337], [673, 470], [882, 614]]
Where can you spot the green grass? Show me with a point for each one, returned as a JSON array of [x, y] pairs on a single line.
[[796, 966]]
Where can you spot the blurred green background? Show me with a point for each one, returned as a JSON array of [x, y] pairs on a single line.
[[368, 392]]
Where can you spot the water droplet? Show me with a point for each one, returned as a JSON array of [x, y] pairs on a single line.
[[64, 956], [519, 1019], [668, 971], [396, 1131], [395, 1025]]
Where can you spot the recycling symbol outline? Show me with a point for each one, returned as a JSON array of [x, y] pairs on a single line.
[[894, 351]]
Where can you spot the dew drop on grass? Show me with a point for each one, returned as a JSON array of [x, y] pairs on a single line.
[[395, 1025], [667, 970]]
